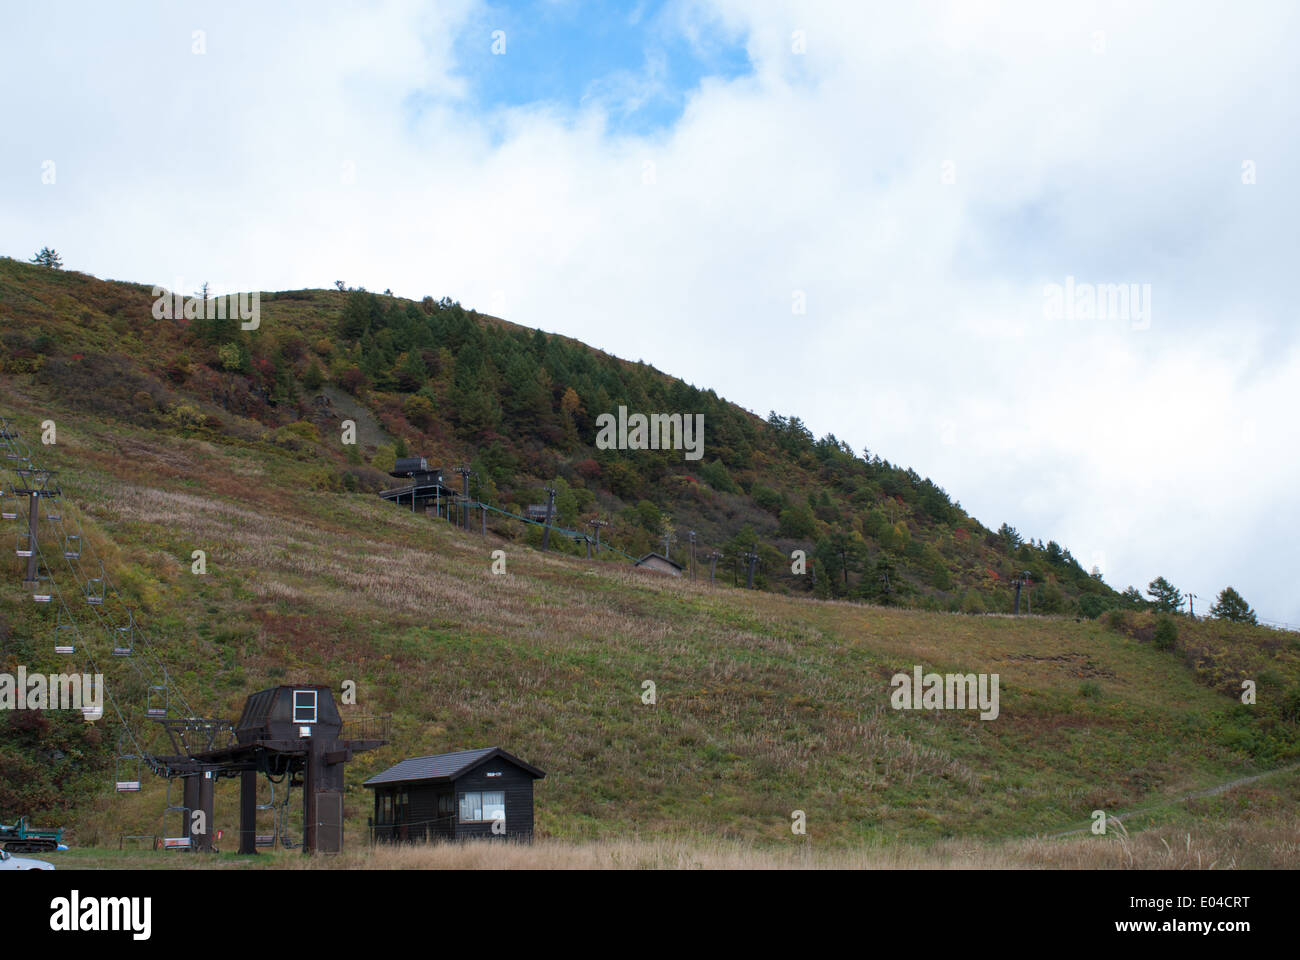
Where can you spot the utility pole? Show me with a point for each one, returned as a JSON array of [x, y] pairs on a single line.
[[1022, 580], [751, 558], [33, 484], [1191, 608], [550, 509], [692, 537], [714, 557], [597, 524]]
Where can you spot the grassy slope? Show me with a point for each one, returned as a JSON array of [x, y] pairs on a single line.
[[87, 335], [767, 703]]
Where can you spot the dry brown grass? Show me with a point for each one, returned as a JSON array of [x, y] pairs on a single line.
[[1233, 846]]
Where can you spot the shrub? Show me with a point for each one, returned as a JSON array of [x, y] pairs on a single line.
[[767, 499], [1166, 634], [313, 378], [1090, 689], [230, 356], [419, 410], [385, 458], [352, 379], [186, 416], [303, 428], [1291, 704], [797, 522]]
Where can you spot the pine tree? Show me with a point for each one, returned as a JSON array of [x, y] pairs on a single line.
[[48, 257], [1233, 606], [1132, 597], [1164, 595]]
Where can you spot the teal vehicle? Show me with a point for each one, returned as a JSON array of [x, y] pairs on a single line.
[[24, 838]]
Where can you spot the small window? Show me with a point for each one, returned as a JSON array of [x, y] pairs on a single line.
[[304, 706], [481, 807], [446, 804]]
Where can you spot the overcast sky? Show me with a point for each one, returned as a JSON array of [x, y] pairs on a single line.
[[675, 181]]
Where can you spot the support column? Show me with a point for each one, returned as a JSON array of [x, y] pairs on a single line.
[[207, 783], [190, 797], [310, 793], [248, 811], [33, 512]]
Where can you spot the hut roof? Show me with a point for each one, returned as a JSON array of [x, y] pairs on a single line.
[[446, 766], [658, 556]]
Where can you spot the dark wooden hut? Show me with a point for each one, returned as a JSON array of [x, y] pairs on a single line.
[[660, 564], [453, 796]]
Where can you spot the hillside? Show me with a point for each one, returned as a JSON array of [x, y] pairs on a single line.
[[520, 408], [768, 701]]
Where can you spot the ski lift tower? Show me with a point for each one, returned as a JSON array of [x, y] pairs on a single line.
[[294, 730]]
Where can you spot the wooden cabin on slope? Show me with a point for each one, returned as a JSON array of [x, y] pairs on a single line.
[[660, 564], [454, 796]]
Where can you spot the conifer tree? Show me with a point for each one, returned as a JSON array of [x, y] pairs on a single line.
[[1233, 606]]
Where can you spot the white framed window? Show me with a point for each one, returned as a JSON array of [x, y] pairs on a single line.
[[304, 706], [480, 807]]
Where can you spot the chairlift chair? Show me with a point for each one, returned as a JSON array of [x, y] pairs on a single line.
[[127, 773], [180, 842], [64, 631], [155, 706], [24, 548], [8, 506], [43, 592], [72, 546], [95, 588], [125, 644]]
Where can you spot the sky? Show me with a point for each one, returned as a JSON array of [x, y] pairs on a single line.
[[908, 224]]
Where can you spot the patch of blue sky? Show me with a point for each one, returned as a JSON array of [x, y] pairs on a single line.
[[636, 60]]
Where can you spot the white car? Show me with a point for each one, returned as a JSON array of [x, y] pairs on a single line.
[[9, 862]]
